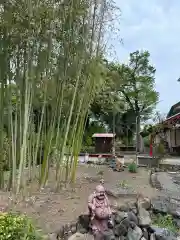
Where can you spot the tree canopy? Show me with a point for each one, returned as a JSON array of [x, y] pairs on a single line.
[[129, 94]]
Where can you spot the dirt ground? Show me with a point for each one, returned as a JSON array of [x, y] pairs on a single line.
[[51, 210]]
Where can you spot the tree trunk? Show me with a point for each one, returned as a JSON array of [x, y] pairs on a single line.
[[114, 132], [138, 137]]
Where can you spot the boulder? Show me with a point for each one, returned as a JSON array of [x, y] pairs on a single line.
[[152, 236], [52, 236], [108, 235], [144, 203], [166, 205], [145, 234], [83, 222], [164, 234], [144, 217], [132, 217], [119, 216], [127, 225], [80, 236], [118, 191], [134, 234], [120, 230]]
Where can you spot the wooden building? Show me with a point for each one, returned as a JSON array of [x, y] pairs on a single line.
[[103, 142], [172, 132], [168, 132]]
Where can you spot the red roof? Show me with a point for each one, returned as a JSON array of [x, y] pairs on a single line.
[[103, 135], [172, 118]]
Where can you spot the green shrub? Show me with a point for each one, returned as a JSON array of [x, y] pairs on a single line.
[[17, 227], [132, 167], [160, 149], [88, 149], [164, 221]]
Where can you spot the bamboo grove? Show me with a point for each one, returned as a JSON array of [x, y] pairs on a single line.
[[50, 71]]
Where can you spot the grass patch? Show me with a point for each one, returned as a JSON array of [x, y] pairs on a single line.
[[123, 184], [164, 221]]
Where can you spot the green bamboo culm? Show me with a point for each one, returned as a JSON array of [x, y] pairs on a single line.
[[51, 68]]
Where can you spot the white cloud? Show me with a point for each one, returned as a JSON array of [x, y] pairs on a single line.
[[154, 25]]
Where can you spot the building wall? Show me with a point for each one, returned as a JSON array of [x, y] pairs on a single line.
[[173, 137], [168, 137], [178, 136]]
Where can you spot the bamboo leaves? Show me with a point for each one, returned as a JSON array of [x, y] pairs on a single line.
[[51, 53]]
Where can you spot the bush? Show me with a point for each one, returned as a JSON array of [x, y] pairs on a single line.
[[88, 149], [160, 149], [17, 227], [165, 221], [132, 167]]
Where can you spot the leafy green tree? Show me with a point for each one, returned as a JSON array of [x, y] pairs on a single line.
[[135, 83], [124, 124]]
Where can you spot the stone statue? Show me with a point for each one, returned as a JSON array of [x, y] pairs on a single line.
[[100, 212]]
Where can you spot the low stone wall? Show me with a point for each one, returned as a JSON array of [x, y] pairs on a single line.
[[131, 222], [148, 161], [170, 167]]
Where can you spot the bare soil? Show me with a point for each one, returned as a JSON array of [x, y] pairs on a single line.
[[51, 210]]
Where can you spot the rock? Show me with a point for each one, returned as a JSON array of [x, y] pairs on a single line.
[[73, 229], [127, 223], [157, 170], [127, 226], [119, 191], [92, 178], [167, 205], [152, 236], [122, 238], [120, 229], [133, 207], [84, 221], [135, 211], [123, 208], [144, 217], [119, 216], [52, 236], [134, 234], [132, 225], [163, 233], [144, 203], [80, 236], [132, 217], [154, 181], [108, 235], [63, 232], [82, 230], [176, 222], [145, 233]]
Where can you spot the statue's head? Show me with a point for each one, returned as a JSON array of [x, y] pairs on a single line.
[[100, 192]]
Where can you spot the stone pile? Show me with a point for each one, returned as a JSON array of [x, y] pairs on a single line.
[[131, 222]]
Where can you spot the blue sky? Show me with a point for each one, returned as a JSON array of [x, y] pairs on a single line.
[[153, 25]]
